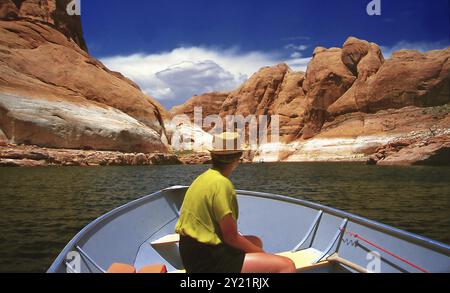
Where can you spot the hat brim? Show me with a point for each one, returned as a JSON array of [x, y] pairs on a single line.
[[225, 152]]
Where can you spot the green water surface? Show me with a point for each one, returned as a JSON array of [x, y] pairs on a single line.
[[41, 209]]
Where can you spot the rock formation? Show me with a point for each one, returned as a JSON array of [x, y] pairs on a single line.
[[32, 156], [211, 104], [290, 105], [408, 78], [434, 150], [350, 102], [53, 94], [271, 91], [50, 12], [327, 79], [256, 96]]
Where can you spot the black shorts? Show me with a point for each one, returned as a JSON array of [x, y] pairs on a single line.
[[204, 258]]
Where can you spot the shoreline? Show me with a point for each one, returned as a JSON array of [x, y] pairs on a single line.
[[403, 150], [29, 156], [34, 156]]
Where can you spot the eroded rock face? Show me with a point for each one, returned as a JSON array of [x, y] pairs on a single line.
[[361, 57], [256, 95], [41, 62], [434, 150], [195, 158], [357, 136], [46, 11], [291, 105], [273, 90], [350, 102], [3, 138], [354, 79], [364, 59], [327, 79], [72, 125], [387, 122], [32, 156], [187, 136], [8, 9], [409, 78], [210, 103]]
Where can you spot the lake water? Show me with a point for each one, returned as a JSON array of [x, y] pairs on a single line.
[[41, 209]]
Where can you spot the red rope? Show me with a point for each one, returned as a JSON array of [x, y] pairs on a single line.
[[386, 251]]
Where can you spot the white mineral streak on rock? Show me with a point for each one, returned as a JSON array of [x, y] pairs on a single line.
[[321, 149], [66, 124], [187, 136]]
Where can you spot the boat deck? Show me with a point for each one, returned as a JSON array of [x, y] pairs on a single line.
[[316, 237]]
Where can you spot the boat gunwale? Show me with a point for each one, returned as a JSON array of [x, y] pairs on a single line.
[[396, 232], [404, 235], [74, 241]]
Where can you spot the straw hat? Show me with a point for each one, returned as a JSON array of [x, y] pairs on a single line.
[[226, 143]]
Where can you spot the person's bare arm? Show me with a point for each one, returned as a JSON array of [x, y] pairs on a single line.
[[232, 237]]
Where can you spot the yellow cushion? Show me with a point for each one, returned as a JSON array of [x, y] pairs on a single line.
[[178, 272], [304, 259], [168, 239]]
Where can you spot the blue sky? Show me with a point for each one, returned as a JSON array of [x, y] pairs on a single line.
[[175, 49]]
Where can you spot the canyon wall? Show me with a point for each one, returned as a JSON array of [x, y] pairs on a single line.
[[349, 104], [54, 94]]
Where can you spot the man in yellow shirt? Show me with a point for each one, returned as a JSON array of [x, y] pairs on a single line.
[[209, 238]]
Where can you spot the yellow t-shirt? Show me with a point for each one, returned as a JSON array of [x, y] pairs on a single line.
[[207, 201]]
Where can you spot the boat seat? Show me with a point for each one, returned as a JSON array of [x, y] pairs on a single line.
[[166, 240], [178, 272], [120, 268], [153, 269], [167, 248], [304, 259]]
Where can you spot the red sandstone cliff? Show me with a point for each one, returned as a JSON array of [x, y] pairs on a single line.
[[349, 93], [53, 94], [350, 101], [50, 12], [210, 103]]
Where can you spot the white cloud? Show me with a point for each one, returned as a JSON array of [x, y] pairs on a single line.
[[298, 64], [174, 76], [189, 78], [296, 38], [296, 47], [420, 46]]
